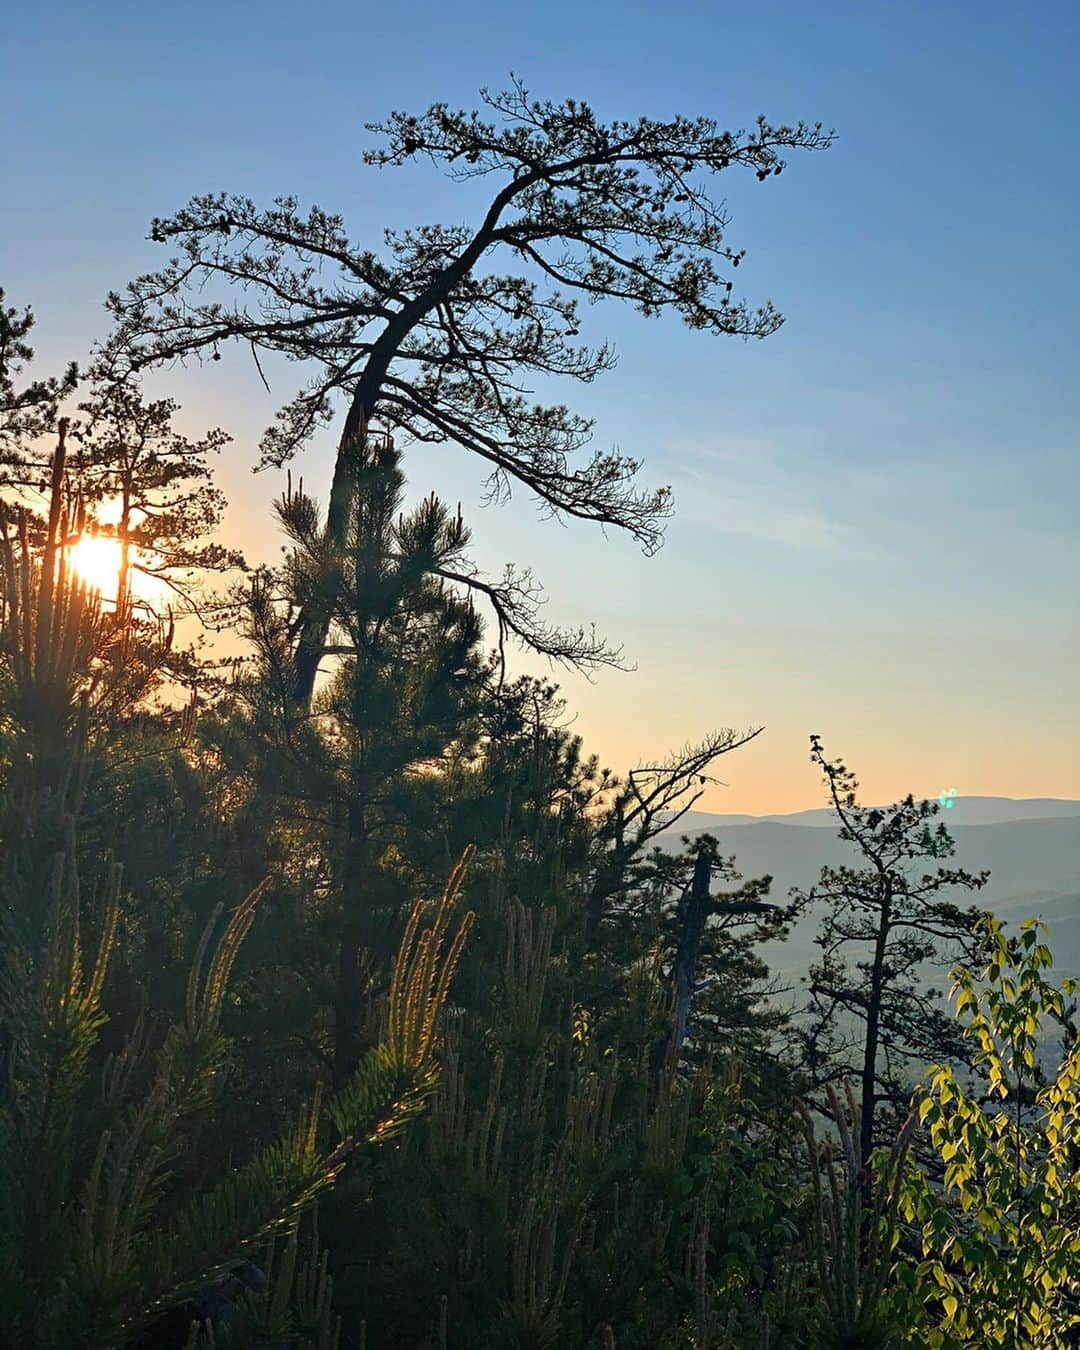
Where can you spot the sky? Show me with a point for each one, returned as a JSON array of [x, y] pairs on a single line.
[[875, 530]]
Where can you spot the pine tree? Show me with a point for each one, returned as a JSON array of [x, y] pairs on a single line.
[[880, 1022], [30, 411], [406, 658], [129, 461]]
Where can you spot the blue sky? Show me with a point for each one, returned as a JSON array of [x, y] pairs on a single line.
[[875, 534]]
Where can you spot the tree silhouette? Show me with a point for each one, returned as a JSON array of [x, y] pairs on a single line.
[[29, 411], [894, 923], [161, 483], [410, 659], [430, 338]]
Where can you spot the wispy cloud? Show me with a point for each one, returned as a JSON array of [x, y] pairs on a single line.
[[752, 488], [777, 524]]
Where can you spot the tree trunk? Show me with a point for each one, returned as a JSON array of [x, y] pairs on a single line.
[[873, 1020], [686, 957], [123, 580], [315, 624], [694, 910]]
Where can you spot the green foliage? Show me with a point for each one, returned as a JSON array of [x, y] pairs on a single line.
[[290, 1307], [1000, 1241], [96, 1241]]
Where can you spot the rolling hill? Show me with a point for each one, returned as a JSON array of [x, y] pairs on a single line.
[[1031, 848]]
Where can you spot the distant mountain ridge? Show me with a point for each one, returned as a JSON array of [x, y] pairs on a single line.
[[964, 811], [1033, 856]]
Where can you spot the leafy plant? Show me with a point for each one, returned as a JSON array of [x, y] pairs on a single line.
[[1000, 1241]]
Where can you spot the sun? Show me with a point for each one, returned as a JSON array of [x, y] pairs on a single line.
[[97, 558], [97, 561]]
